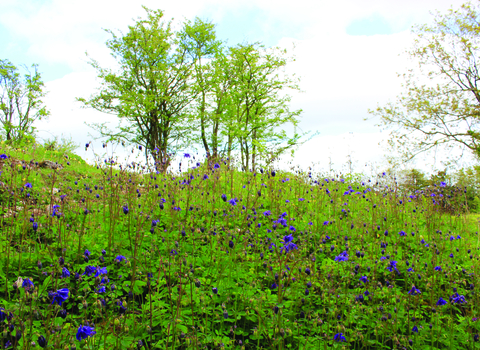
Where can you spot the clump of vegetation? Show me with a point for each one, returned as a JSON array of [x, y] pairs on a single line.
[[124, 257]]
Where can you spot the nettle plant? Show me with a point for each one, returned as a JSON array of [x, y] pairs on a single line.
[[212, 257]]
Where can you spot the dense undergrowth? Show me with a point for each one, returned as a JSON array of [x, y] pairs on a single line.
[[110, 257]]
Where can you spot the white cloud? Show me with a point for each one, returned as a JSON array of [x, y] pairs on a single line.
[[342, 75]]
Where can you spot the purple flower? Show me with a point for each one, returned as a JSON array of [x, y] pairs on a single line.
[[438, 268], [28, 185], [101, 271], [60, 296], [84, 332], [120, 258], [414, 291], [28, 285], [339, 337], [186, 155], [3, 156], [101, 289], [441, 302], [364, 279], [342, 257], [125, 209], [458, 299], [392, 266], [65, 272], [89, 270], [215, 290], [415, 329]]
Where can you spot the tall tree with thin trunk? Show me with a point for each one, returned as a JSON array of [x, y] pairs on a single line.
[[20, 101]]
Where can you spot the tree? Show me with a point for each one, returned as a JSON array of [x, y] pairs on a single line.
[[20, 101], [446, 110], [259, 107], [151, 91]]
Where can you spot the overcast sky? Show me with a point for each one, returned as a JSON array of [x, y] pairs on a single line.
[[348, 54]]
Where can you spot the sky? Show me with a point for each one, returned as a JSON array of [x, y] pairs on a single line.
[[348, 54]]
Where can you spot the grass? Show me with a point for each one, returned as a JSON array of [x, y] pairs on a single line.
[[217, 258]]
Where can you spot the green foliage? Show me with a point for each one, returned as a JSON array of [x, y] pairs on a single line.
[[192, 258]]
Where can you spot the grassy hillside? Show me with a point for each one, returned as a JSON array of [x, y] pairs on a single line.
[[99, 257]]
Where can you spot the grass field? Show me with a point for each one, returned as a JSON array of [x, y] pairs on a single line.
[[103, 257]]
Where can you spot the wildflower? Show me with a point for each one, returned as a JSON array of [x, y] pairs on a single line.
[[342, 256], [60, 296], [441, 302], [28, 285], [233, 202], [125, 209], [42, 341], [101, 289], [63, 313], [364, 279], [28, 185], [120, 258], [3, 156], [89, 270], [65, 272], [402, 233], [458, 299], [288, 245], [267, 213], [224, 197], [451, 255], [339, 337], [216, 166], [438, 268], [173, 252], [186, 155], [415, 329], [84, 332], [101, 271], [443, 184], [215, 290], [307, 271], [392, 266], [104, 252], [35, 227], [414, 291], [273, 286]]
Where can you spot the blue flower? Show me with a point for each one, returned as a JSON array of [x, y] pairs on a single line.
[[120, 258], [438, 268], [65, 273], [216, 166], [364, 279], [392, 266], [3, 156], [101, 289], [342, 256], [414, 291], [125, 209], [458, 299], [89, 270], [339, 337], [415, 329], [28, 185], [27, 284], [267, 213], [42, 341], [186, 155], [60, 296], [215, 290], [441, 302], [101, 271], [84, 332]]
